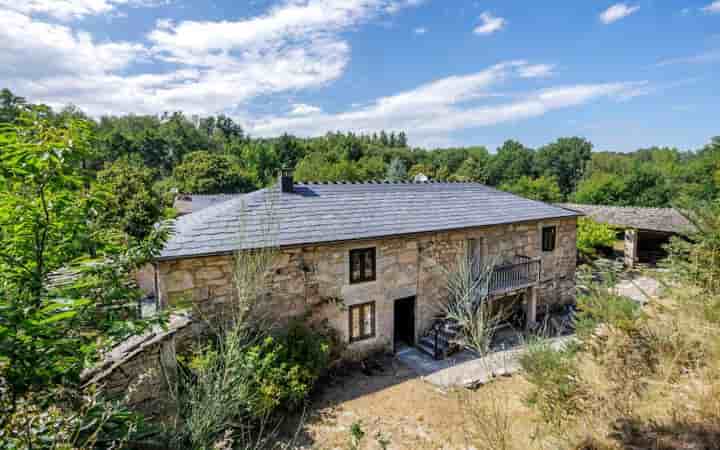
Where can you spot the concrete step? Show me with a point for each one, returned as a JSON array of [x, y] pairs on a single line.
[[426, 348]]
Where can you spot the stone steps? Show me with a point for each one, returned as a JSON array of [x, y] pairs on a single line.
[[447, 342]]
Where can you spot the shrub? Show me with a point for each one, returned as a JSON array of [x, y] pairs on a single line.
[[592, 235], [284, 369], [234, 389], [605, 307], [554, 375]]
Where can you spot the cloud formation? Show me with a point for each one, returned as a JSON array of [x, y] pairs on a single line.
[[67, 10], [213, 66], [489, 23], [699, 58], [433, 110], [616, 12], [713, 7]]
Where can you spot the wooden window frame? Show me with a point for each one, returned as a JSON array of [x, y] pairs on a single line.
[[552, 229], [363, 278], [361, 307]]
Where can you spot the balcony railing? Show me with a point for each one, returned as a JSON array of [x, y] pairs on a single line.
[[522, 273]]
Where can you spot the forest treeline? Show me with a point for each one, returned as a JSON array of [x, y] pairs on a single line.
[[148, 159]]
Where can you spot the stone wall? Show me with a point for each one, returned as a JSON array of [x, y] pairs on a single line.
[[314, 280], [143, 369]]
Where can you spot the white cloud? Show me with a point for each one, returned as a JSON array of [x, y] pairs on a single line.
[[33, 50], [713, 7], [72, 9], [420, 30], [213, 66], [700, 58], [536, 71], [616, 12], [434, 110], [302, 109], [489, 23]]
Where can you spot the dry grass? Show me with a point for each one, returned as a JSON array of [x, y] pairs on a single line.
[[655, 385]]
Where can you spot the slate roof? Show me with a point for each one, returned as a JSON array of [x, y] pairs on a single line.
[[188, 203], [329, 212], [667, 220]]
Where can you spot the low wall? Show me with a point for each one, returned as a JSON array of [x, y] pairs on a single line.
[[142, 370]]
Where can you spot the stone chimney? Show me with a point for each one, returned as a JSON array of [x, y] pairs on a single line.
[[286, 180]]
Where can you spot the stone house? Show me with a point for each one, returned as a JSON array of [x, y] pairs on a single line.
[[367, 258]]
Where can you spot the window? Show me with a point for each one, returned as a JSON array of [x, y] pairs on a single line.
[[362, 265], [362, 321], [548, 238]]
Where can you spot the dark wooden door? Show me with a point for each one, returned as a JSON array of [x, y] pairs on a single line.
[[405, 321]]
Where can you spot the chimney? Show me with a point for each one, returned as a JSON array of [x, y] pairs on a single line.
[[286, 180]]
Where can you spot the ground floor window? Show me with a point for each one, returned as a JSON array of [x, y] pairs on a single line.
[[362, 321]]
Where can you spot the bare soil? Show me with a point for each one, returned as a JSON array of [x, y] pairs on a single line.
[[393, 405]]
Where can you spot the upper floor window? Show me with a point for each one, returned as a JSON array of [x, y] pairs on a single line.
[[549, 236], [362, 265]]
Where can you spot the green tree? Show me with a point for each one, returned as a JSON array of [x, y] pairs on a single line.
[[131, 203], [544, 189], [10, 105], [475, 167], [209, 173], [511, 162], [50, 331], [564, 159], [396, 171], [601, 189]]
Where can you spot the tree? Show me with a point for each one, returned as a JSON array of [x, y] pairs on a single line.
[[564, 159], [50, 332], [544, 189], [396, 171], [10, 106], [131, 203], [209, 173], [512, 161], [601, 189], [475, 167]]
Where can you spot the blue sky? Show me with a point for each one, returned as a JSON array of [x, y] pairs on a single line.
[[448, 72]]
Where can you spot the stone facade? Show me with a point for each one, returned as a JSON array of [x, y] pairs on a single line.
[[314, 281]]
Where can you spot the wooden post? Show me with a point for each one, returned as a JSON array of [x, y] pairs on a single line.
[[631, 247], [531, 312]]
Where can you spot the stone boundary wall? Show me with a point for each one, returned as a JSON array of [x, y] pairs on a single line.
[[140, 368]]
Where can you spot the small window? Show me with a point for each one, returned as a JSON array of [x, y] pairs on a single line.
[[362, 321], [548, 238], [362, 265]]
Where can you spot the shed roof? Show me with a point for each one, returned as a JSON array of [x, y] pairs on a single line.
[[330, 212], [667, 220]]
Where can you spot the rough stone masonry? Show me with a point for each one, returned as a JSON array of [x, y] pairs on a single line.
[[314, 281]]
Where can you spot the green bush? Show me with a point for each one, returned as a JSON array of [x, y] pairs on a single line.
[[553, 374], [602, 306], [285, 368], [592, 235]]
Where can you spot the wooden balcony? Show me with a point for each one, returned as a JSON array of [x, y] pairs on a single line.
[[522, 273]]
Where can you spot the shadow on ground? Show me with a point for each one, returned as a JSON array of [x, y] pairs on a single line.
[[677, 435]]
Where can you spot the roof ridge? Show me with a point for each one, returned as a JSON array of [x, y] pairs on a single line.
[[375, 181], [668, 208]]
